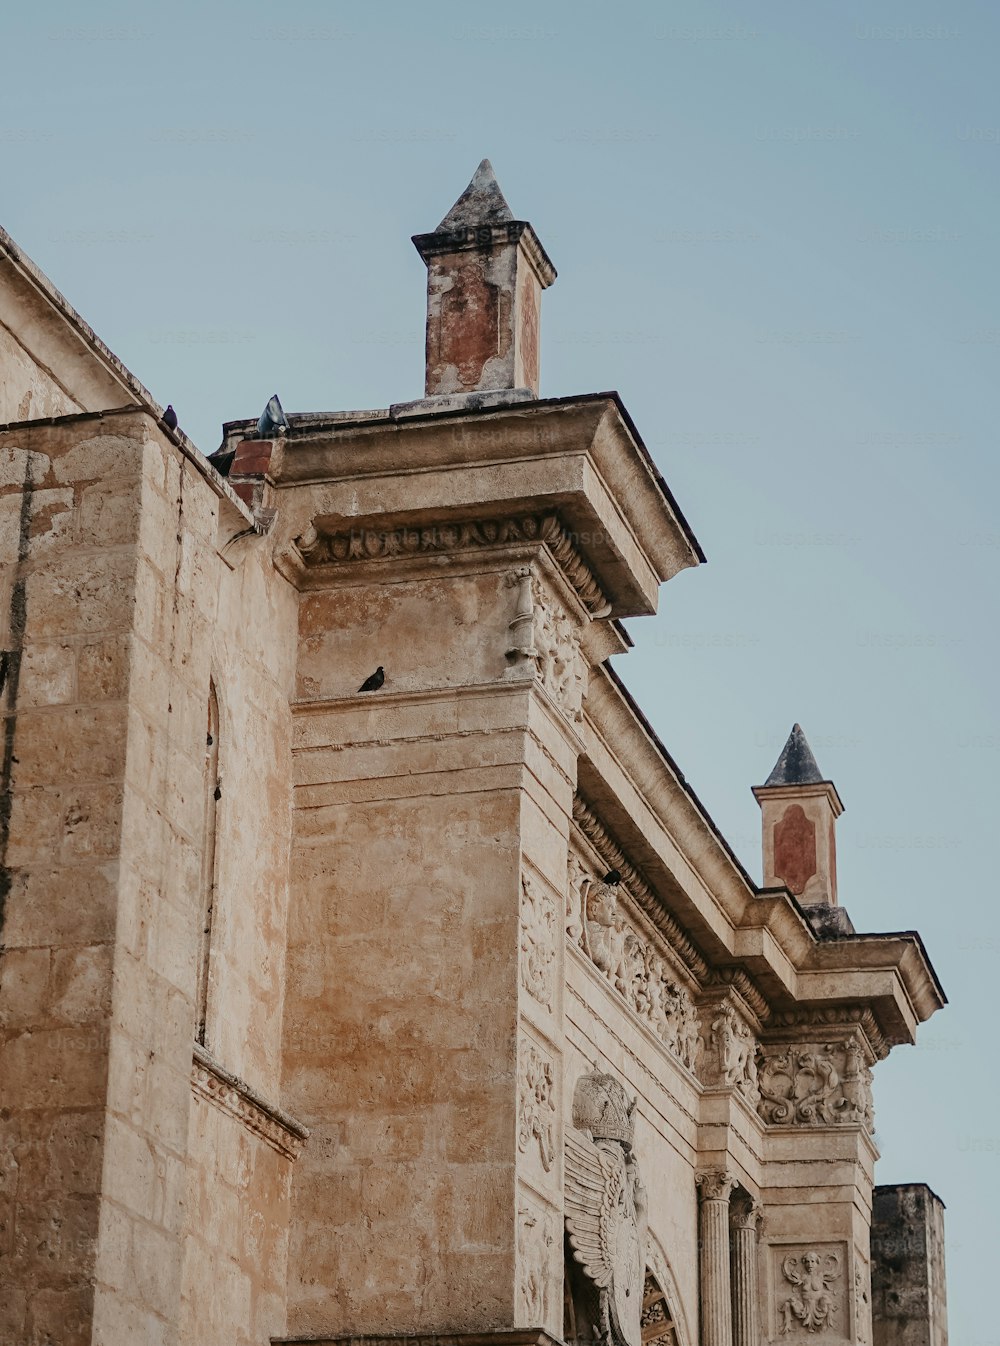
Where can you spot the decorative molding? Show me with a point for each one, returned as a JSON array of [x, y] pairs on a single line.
[[735, 979], [714, 1184], [642, 893], [654, 1077], [634, 968], [812, 1305], [213, 1082], [729, 1053], [747, 1213], [846, 1017], [666, 1282], [538, 941], [368, 542], [536, 1103], [816, 1084]]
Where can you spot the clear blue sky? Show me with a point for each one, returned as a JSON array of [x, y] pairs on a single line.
[[776, 229]]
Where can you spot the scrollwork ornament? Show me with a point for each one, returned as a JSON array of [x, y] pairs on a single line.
[[538, 942], [821, 1084], [537, 1105]]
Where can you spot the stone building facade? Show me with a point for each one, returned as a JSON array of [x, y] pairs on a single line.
[[436, 1011]]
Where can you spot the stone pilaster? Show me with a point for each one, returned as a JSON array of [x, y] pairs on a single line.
[[746, 1219], [714, 1190]]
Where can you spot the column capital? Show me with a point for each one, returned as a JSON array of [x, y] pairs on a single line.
[[746, 1212], [714, 1184]]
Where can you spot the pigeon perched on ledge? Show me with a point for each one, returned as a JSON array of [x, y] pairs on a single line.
[[374, 681], [170, 418]]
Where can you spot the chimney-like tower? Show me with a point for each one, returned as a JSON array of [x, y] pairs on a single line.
[[799, 815], [485, 275]]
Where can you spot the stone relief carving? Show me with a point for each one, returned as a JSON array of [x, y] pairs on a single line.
[[812, 1305], [639, 890], [547, 639], [842, 1019], [606, 1205], [561, 666], [729, 1054], [629, 961], [367, 542], [578, 879], [535, 1238], [818, 1085], [657, 1325], [538, 941], [536, 1104], [861, 1299]]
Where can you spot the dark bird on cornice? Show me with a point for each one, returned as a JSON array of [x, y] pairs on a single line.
[[374, 682], [170, 418], [612, 877], [273, 420]]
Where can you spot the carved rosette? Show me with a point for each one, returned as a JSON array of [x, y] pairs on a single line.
[[627, 959], [816, 1084], [536, 1104], [539, 927], [729, 1053], [536, 1274]]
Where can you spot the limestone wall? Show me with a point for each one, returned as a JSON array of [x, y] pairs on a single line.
[[118, 609], [69, 513], [28, 391]]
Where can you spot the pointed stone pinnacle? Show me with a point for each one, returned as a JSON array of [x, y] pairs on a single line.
[[482, 202], [796, 765]]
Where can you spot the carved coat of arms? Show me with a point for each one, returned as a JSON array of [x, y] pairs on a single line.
[[606, 1205]]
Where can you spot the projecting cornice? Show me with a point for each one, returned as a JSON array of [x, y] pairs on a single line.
[[689, 878], [402, 474]]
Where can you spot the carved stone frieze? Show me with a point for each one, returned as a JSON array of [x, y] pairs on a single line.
[[812, 1299], [614, 857], [742, 983], [212, 1082], [536, 1236], [539, 927], [729, 1053], [815, 1084], [631, 964], [536, 1104], [367, 541], [846, 1017]]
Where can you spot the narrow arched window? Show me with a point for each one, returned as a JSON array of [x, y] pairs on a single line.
[[213, 793]]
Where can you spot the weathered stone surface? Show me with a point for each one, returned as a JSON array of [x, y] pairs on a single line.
[[908, 1296], [298, 984]]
